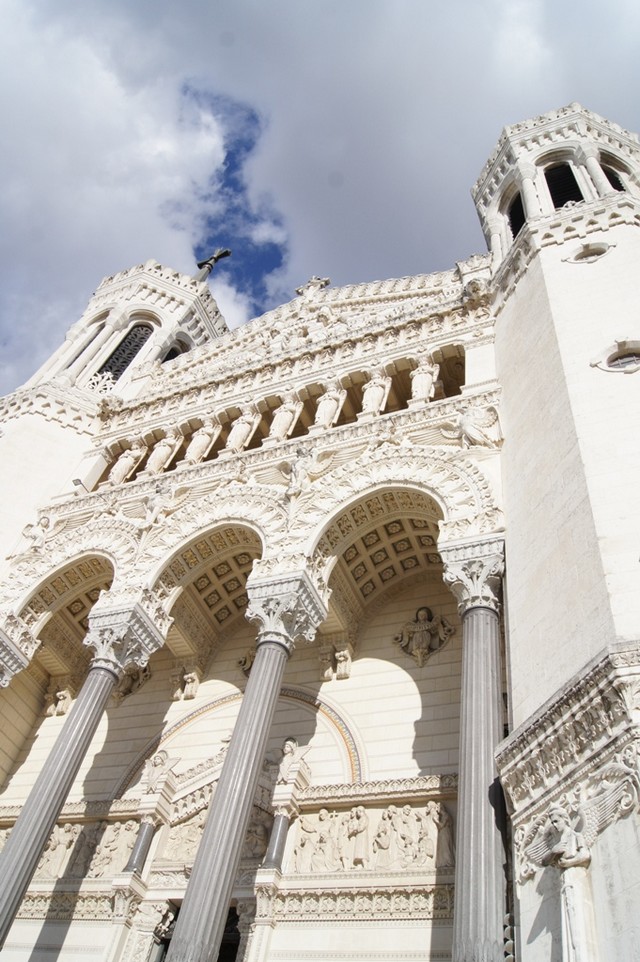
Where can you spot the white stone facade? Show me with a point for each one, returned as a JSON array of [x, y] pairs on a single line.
[[401, 516]]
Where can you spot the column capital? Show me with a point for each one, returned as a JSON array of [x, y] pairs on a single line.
[[124, 631], [286, 608], [17, 645], [473, 572]]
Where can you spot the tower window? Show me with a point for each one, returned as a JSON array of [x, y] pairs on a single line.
[[562, 185], [175, 351], [516, 215], [613, 177], [117, 363]]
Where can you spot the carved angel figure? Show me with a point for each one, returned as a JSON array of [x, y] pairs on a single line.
[[156, 767], [292, 753], [375, 392], [424, 635], [475, 427], [37, 533], [241, 431], [201, 441], [163, 452], [285, 417]]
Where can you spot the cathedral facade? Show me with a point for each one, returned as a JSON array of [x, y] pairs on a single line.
[[320, 638]]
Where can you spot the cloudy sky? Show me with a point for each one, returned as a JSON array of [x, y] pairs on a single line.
[[330, 137]]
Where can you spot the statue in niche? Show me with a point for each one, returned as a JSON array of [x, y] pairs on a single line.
[[423, 380], [241, 431], [425, 635], [201, 441], [155, 768], [329, 405], [127, 462], [374, 393], [475, 427], [163, 452], [285, 417]]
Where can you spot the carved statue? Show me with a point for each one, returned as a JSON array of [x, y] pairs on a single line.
[[201, 441], [343, 663], [291, 755], [163, 452], [132, 679], [241, 431], [329, 405], [285, 417], [184, 838], [445, 849], [127, 462], [38, 532], [57, 850], [423, 380], [475, 427], [375, 392], [156, 767], [358, 834], [257, 837], [424, 635]]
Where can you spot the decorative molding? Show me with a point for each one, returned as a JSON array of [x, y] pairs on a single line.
[[287, 608], [126, 634], [404, 902], [474, 572]]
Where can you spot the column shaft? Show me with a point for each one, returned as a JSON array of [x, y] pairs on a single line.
[[141, 847], [277, 842], [202, 918], [480, 875], [28, 837]]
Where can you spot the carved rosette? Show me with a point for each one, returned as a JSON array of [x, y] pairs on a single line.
[[17, 645], [286, 609], [473, 572], [126, 634]]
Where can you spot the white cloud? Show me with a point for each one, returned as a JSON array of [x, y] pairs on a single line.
[[376, 119]]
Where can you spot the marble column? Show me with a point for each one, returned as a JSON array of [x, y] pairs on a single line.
[[277, 841], [531, 204], [285, 609], [473, 573], [120, 638]]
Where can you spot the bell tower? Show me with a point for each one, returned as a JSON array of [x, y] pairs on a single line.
[[146, 314]]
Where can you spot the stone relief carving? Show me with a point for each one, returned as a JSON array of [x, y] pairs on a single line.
[[424, 636], [292, 757], [58, 697], [202, 441], [329, 406], [475, 427], [285, 417], [243, 428], [338, 841], [94, 850], [473, 572]]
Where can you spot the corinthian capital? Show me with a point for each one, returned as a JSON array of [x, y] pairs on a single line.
[[286, 608], [473, 573], [126, 632], [17, 645]]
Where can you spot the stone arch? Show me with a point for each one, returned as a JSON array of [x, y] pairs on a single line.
[[117, 544], [336, 719], [460, 493]]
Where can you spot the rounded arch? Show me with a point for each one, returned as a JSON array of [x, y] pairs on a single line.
[[341, 726], [458, 492]]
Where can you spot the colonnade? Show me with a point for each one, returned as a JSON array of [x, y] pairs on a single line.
[[286, 608]]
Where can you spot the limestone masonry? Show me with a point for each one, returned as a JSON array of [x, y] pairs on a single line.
[[320, 638]]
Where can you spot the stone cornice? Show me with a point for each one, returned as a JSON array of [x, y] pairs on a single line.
[[384, 792], [207, 475], [571, 224], [66, 406], [573, 731]]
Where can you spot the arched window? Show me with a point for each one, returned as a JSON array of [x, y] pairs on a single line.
[[120, 359], [613, 177], [175, 351], [562, 185], [516, 215]]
